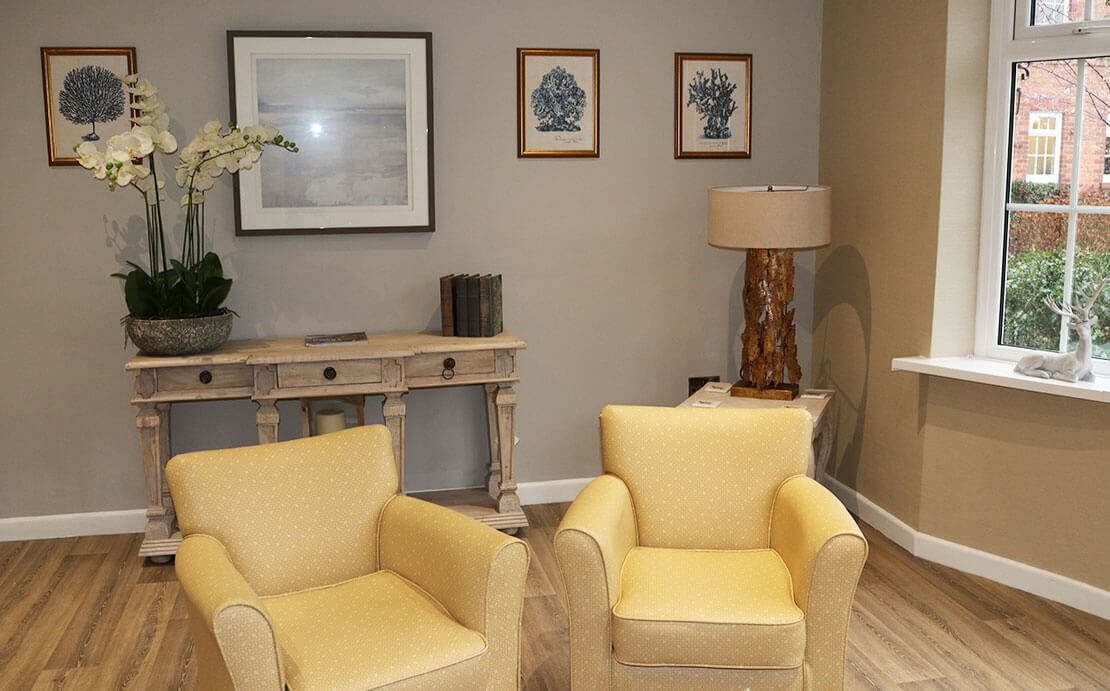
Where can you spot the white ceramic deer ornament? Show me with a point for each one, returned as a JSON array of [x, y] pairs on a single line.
[[1075, 366]]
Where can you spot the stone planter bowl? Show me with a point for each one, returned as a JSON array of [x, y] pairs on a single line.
[[179, 336]]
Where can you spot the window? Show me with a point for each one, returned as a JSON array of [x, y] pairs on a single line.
[[1051, 12], [1046, 215], [1044, 148]]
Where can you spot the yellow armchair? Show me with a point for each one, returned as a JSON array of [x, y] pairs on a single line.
[[704, 558], [303, 568]]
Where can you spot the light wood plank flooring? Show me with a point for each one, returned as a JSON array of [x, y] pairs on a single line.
[[86, 613]]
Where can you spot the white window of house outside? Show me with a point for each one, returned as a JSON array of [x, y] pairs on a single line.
[[1046, 214], [1106, 158], [1044, 148]]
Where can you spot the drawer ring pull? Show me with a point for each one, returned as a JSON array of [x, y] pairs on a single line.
[[329, 373], [448, 368], [205, 377]]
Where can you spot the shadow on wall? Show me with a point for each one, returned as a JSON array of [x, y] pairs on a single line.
[[842, 341]]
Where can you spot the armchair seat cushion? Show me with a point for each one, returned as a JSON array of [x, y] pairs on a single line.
[[371, 631], [707, 608]]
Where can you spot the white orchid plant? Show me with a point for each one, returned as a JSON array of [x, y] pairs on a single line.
[[194, 285]]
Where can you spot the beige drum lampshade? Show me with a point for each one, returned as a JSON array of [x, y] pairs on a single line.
[[769, 216]]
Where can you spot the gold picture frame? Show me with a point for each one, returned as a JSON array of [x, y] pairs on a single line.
[[71, 118], [705, 125], [557, 103]]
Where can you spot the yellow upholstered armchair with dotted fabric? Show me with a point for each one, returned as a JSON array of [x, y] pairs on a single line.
[[303, 568], [704, 558]]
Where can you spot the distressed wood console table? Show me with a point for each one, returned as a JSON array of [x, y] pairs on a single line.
[[269, 370]]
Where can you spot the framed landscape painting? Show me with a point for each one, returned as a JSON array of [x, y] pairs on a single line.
[[712, 105], [359, 107], [84, 98], [557, 103]]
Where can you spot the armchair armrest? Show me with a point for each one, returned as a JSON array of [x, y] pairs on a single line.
[[824, 551], [591, 543], [233, 633], [476, 572]]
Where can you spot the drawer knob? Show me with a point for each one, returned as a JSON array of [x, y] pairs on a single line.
[[448, 368], [329, 373], [205, 377]]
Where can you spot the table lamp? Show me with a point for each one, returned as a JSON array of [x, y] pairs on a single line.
[[769, 221]]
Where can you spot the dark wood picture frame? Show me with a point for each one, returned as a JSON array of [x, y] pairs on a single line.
[[59, 140], [537, 139], [722, 138], [381, 183]]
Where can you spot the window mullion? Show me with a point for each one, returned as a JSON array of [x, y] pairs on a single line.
[[1073, 195]]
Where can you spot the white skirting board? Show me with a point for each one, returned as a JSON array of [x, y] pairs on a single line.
[[1015, 574], [72, 525], [134, 520], [1006, 571]]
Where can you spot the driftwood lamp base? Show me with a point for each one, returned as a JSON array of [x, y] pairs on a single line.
[[778, 392], [769, 355]]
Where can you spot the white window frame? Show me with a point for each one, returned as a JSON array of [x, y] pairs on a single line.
[[1057, 129], [1022, 10], [1012, 41]]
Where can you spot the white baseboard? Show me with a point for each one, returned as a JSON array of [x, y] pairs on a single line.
[[551, 491], [1006, 571], [72, 525], [134, 520]]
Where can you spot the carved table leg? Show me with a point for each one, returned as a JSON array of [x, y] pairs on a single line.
[[823, 437], [267, 419], [493, 480], [505, 402], [393, 412], [154, 446]]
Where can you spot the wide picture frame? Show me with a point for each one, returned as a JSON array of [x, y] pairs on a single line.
[[557, 102], [712, 105], [359, 107], [84, 97]]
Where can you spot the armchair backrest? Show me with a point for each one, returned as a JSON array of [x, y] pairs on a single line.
[[292, 515], [704, 478]]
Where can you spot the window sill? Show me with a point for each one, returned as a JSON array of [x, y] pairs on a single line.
[[1001, 373]]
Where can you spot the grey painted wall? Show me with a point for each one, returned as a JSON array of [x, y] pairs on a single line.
[[607, 273]]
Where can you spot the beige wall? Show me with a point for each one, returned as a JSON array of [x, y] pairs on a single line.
[[1013, 473], [881, 134], [607, 273]]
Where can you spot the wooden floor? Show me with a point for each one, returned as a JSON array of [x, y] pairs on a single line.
[[86, 613]]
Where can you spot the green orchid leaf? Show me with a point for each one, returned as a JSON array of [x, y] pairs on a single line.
[[216, 292], [138, 292]]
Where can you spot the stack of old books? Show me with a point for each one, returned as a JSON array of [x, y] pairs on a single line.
[[470, 304]]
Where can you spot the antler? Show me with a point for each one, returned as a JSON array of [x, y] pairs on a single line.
[[1062, 310], [1089, 300], [1084, 309]]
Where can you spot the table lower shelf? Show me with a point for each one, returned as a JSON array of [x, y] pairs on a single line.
[[474, 502]]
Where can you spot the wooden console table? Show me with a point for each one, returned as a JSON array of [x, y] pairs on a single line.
[[819, 403], [269, 370]]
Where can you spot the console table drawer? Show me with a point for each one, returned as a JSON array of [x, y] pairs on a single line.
[[436, 364], [203, 378], [329, 373]]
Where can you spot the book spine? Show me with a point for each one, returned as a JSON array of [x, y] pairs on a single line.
[[447, 304], [462, 321], [473, 305], [496, 312], [485, 313]]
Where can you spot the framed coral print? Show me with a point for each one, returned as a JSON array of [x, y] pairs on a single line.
[[359, 107], [84, 98], [557, 103], [712, 105]]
